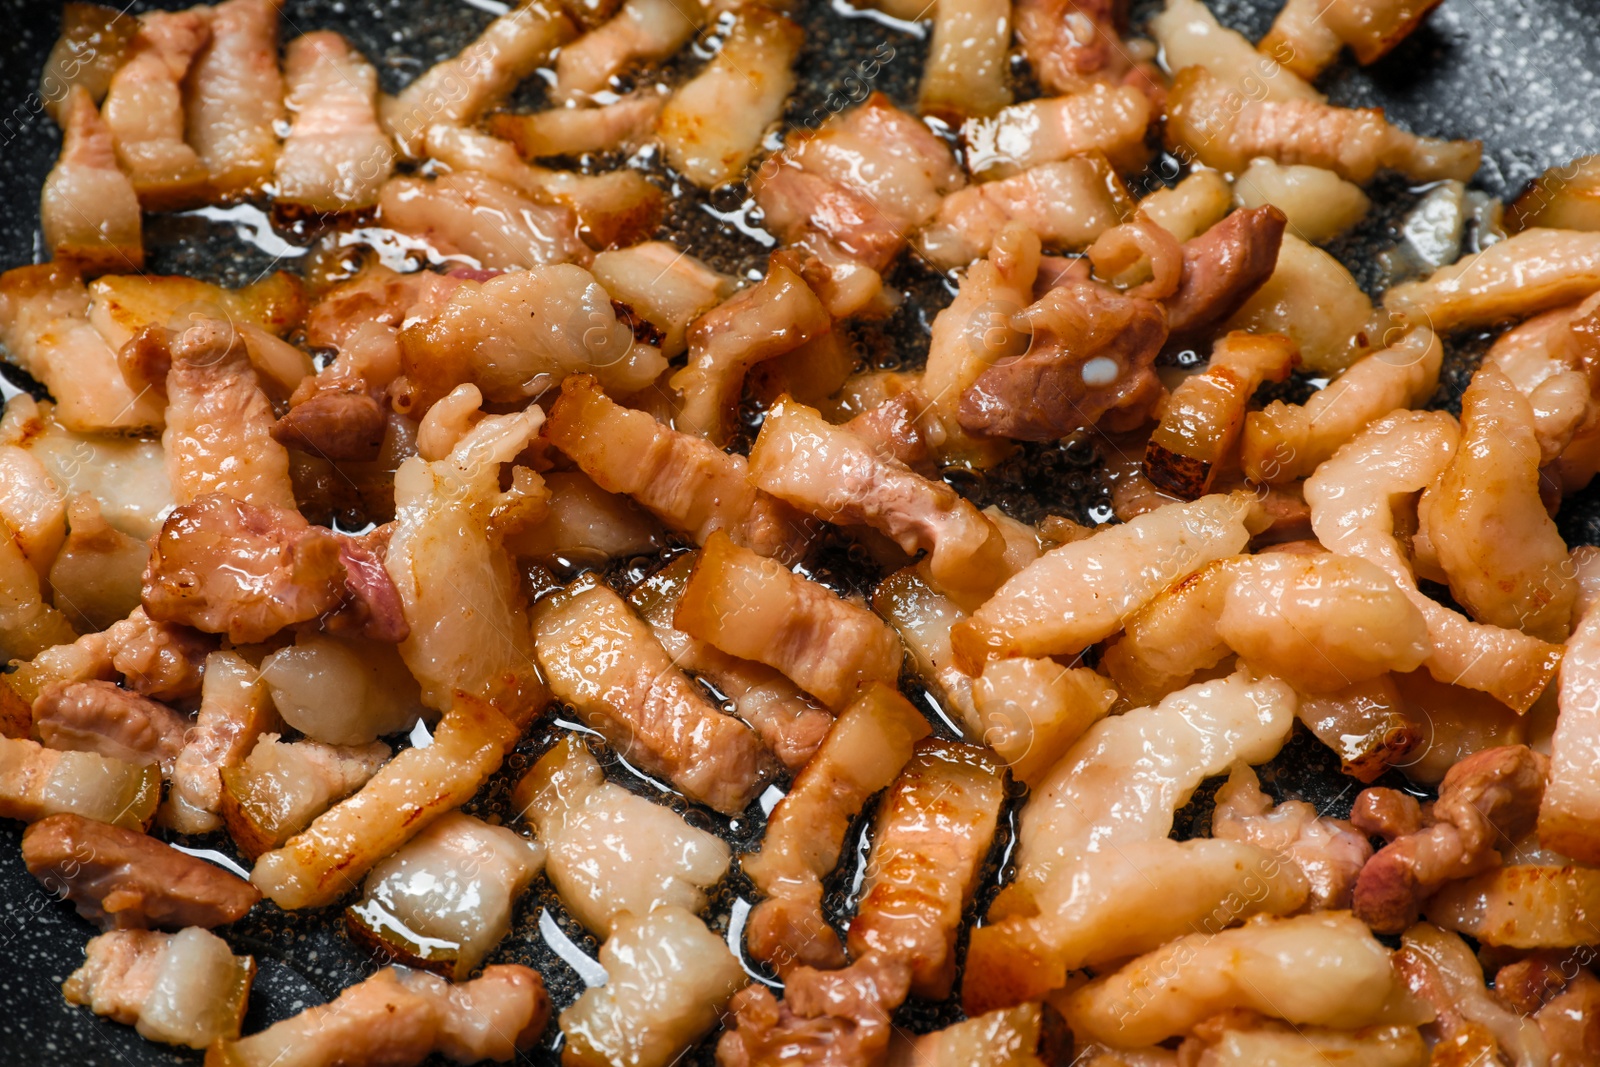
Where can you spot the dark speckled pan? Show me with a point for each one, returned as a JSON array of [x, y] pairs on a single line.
[[1524, 77]]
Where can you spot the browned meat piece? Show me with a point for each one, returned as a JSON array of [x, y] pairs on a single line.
[[334, 425], [1222, 268], [1071, 42], [1386, 813], [826, 1019], [224, 566], [1491, 794], [1328, 851], [162, 660], [374, 601], [934, 831], [105, 718], [119, 879], [1092, 351]]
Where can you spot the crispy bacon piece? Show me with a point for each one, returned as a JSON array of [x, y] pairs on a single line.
[[1067, 204], [235, 709], [1485, 523], [224, 566], [459, 89], [44, 325], [218, 438], [754, 608], [866, 749], [1492, 793], [275, 791], [1204, 414], [1535, 270], [714, 123], [602, 659], [400, 1018], [828, 472], [1325, 970], [1211, 123], [1308, 34], [934, 829], [235, 97], [689, 484], [324, 861], [667, 288], [1027, 616], [144, 108], [36, 782], [669, 980], [105, 718], [93, 43], [1328, 851], [336, 156], [790, 723], [612, 853], [1283, 442], [849, 194], [765, 321], [1096, 118], [186, 988], [1523, 906], [482, 336], [119, 879], [89, 211], [966, 70], [1092, 352], [641, 31], [1222, 269]]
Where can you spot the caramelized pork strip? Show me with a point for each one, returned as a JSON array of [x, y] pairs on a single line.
[[713, 125], [1203, 417], [105, 718], [870, 743], [827, 1018], [1330, 852], [218, 438], [1488, 798], [689, 484], [186, 988], [612, 853], [1532, 271], [1209, 122], [1323, 970], [767, 320], [37, 781], [669, 982], [829, 473], [89, 211], [400, 1018], [336, 156], [754, 608], [788, 722], [1222, 269], [1027, 617], [482, 336], [1569, 814], [44, 325], [602, 659], [848, 195], [281, 786], [1521, 906], [328, 858], [641, 31], [1308, 34], [666, 287], [1092, 352], [968, 62], [235, 710], [1283, 442], [1070, 43], [1096, 118], [459, 89], [225, 566], [119, 879], [1352, 513], [144, 108], [235, 97], [934, 829], [1067, 204], [1485, 522]]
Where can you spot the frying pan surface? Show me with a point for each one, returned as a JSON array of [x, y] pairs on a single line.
[[1522, 77]]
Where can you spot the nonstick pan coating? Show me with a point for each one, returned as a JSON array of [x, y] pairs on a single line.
[[1523, 77]]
